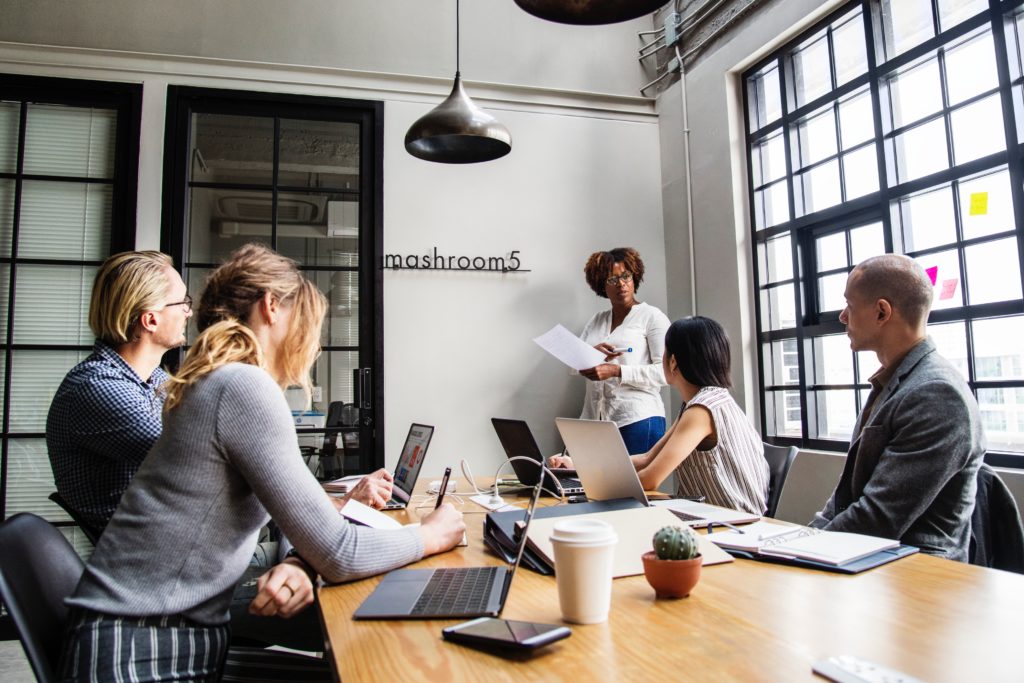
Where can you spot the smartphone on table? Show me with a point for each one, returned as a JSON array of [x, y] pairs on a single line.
[[505, 634]]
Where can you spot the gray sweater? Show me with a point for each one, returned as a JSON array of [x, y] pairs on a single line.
[[187, 525]]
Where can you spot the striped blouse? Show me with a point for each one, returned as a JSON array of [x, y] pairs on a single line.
[[734, 473]]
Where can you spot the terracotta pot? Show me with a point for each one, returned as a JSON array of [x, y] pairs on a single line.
[[671, 578]]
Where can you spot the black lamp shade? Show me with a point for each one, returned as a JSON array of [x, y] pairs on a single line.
[[589, 12]]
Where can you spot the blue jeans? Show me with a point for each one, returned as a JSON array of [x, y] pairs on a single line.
[[641, 436]]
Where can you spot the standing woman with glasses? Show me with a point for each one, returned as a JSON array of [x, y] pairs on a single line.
[[626, 388], [153, 601]]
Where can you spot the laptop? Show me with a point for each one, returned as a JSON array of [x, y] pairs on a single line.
[[446, 592], [407, 471], [601, 459], [517, 440]]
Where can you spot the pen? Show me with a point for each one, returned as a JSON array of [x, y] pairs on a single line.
[[444, 487], [623, 349]]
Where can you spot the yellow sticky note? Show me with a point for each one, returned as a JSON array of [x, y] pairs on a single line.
[[979, 203]]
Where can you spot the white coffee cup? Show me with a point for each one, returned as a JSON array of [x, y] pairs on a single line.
[[584, 553]]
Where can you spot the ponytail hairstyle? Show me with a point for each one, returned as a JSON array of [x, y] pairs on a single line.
[[221, 317]]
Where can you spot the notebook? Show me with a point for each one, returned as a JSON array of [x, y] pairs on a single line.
[[447, 592], [601, 459], [517, 440], [694, 513]]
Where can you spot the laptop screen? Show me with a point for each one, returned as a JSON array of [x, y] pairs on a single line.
[[415, 450]]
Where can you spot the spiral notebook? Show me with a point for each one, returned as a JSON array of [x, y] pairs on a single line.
[[840, 551]]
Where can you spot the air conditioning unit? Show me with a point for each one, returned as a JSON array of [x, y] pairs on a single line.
[[299, 215]]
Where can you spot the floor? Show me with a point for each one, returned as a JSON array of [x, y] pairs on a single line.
[[14, 667]]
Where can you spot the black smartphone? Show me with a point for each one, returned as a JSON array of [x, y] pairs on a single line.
[[504, 634]]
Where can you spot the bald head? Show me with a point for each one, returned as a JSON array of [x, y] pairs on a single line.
[[898, 279]]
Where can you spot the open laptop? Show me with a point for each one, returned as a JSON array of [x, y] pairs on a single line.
[[407, 471], [601, 459], [517, 440], [446, 592]]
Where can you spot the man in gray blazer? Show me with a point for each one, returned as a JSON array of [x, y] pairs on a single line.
[[915, 451]]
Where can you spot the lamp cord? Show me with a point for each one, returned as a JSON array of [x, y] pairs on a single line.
[[457, 69]]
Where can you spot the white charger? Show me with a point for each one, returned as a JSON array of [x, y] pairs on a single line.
[[435, 486]]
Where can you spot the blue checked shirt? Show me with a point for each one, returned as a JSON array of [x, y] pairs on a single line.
[[102, 423]]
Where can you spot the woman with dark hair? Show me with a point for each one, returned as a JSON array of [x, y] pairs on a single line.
[[626, 388], [712, 446]]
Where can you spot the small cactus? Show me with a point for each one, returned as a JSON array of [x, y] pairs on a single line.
[[676, 543]]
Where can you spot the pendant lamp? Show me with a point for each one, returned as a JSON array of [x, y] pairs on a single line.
[[457, 131], [589, 12]]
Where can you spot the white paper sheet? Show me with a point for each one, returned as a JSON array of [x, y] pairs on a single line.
[[570, 349]]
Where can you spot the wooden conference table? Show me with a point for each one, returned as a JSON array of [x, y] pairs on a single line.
[[934, 619]]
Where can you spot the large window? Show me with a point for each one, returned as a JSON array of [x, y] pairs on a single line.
[[890, 126], [68, 167], [302, 175]]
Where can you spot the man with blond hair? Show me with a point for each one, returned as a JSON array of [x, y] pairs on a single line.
[[106, 414], [914, 455]]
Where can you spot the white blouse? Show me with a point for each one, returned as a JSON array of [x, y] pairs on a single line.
[[637, 394]]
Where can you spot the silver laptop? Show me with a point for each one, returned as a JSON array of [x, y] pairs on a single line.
[[446, 592], [407, 471], [601, 459]]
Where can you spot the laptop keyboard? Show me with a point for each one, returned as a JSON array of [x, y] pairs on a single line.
[[456, 591]]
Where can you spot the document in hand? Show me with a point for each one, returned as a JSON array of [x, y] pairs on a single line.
[[570, 349], [832, 548]]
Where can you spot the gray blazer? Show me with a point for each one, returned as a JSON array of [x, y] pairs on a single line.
[[911, 473]]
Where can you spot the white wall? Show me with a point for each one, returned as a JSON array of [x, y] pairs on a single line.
[[583, 174]]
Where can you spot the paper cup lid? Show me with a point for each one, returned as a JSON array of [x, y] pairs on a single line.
[[583, 531]]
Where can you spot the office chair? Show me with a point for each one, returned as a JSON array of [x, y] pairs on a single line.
[[38, 570], [90, 532], [997, 535], [780, 459]]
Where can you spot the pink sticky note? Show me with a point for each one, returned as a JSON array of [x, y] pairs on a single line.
[[948, 288], [933, 274]]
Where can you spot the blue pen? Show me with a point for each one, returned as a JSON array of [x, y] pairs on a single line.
[[623, 349]]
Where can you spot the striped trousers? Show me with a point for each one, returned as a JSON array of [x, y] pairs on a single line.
[[106, 648]]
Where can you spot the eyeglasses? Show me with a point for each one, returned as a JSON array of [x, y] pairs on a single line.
[[186, 302], [614, 280]]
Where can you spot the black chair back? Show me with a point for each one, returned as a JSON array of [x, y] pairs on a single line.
[[38, 570], [780, 459], [90, 532], [997, 533]]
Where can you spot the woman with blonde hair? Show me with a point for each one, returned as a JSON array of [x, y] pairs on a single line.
[[153, 602]]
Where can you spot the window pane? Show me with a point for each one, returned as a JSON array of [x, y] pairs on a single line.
[[778, 308], [978, 130], [1002, 412], [811, 70], [30, 481], [865, 242], [819, 187], [9, 118], [771, 205], [993, 271], [220, 221], [783, 411], [326, 235], [777, 259], [921, 151], [195, 281], [944, 268], [35, 377], [65, 221], [833, 360], [319, 154], [927, 219], [815, 138], [998, 354], [333, 371], [850, 52], [867, 365], [952, 12], [856, 120], [769, 160], [764, 98], [781, 362], [831, 291], [45, 294], [905, 23], [985, 204], [836, 413], [6, 216], [914, 93], [860, 172], [971, 68], [341, 325], [232, 149], [70, 141], [830, 251], [951, 341]]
